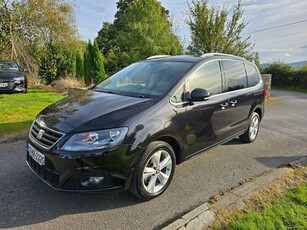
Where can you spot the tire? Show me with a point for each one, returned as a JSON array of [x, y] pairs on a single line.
[[148, 180], [253, 129]]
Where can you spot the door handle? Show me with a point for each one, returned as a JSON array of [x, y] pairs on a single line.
[[233, 103], [224, 105]]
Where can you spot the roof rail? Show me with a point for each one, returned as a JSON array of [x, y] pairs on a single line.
[[219, 54], [157, 56]]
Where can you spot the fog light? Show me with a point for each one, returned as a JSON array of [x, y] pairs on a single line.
[[92, 181]]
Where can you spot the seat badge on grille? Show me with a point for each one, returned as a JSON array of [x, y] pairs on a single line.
[[40, 134]]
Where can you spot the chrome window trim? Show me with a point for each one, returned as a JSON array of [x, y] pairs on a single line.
[[221, 59]]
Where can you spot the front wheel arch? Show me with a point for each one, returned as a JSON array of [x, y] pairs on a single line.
[[139, 185]]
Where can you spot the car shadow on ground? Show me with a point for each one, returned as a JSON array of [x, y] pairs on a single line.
[[235, 141], [29, 201]]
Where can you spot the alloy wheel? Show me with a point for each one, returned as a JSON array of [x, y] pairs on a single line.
[[157, 171], [254, 127]]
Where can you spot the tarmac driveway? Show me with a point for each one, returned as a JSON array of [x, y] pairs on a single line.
[[26, 202]]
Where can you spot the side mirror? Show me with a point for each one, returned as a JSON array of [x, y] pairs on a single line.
[[25, 70], [199, 94]]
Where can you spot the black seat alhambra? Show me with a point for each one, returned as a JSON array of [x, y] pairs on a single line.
[[132, 129]]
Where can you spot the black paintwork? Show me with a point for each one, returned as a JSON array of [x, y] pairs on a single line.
[[13, 86], [189, 127]]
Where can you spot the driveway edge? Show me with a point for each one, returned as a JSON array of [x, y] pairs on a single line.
[[13, 138], [205, 215]]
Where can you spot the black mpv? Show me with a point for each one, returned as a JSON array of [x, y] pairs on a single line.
[[132, 129]]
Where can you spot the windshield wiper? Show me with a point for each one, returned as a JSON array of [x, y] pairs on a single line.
[[105, 91]]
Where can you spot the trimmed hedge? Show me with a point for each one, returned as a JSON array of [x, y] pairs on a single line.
[[284, 75]]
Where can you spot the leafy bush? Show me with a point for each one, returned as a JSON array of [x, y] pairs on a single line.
[[284, 75], [56, 63]]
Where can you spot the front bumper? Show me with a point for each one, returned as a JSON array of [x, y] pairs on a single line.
[[13, 87], [64, 174]]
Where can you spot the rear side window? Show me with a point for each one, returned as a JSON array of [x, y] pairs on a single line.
[[207, 77], [235, 75], [252, 75]]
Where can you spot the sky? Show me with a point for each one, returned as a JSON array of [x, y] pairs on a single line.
[[286, 43]]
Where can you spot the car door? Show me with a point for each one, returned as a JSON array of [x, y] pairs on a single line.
[[206, 121], [240, 96]]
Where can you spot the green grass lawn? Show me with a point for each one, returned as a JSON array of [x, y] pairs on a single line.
[[287, 212], [290, 89], [17, 111]]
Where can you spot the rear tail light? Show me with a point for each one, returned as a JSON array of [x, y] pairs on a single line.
[[264, 94]]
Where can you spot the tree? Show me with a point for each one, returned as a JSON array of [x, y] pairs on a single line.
[[56, 62], [79, 66], [87, 63], [97, 65], [93, 64], [104, 38], [214, 30], [257, 61], [12, 46], [141, 28], [48, 66], [147, 32], [28, 28], [48, 21]]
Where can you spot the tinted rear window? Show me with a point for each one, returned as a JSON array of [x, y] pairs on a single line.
[[235, 75], [252, 75]]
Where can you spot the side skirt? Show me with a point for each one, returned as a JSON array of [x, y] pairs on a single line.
[[214, 145]]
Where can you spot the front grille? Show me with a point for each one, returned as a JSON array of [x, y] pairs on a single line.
[[48, 176], [44, 136]]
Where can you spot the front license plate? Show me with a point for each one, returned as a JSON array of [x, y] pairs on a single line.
[[36, 155], [3, 84]]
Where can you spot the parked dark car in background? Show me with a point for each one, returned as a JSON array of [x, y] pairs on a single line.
[[131, 130], [12, 78]]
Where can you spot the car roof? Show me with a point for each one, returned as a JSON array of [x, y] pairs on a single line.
[[194, 59], [179, 58]]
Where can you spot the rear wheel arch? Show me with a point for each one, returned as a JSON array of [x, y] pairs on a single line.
[[259, 111]]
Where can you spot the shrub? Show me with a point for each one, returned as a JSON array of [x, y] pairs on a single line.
[[284, 75]]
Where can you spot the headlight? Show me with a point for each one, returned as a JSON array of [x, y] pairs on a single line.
[[18, 79], [95, 140]]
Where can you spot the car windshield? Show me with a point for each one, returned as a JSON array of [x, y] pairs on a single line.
[[8, 66], [145, 79]]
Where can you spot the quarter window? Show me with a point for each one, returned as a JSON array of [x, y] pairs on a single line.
[[207, 77], [178, 96], [235, 75], [252, 75]]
